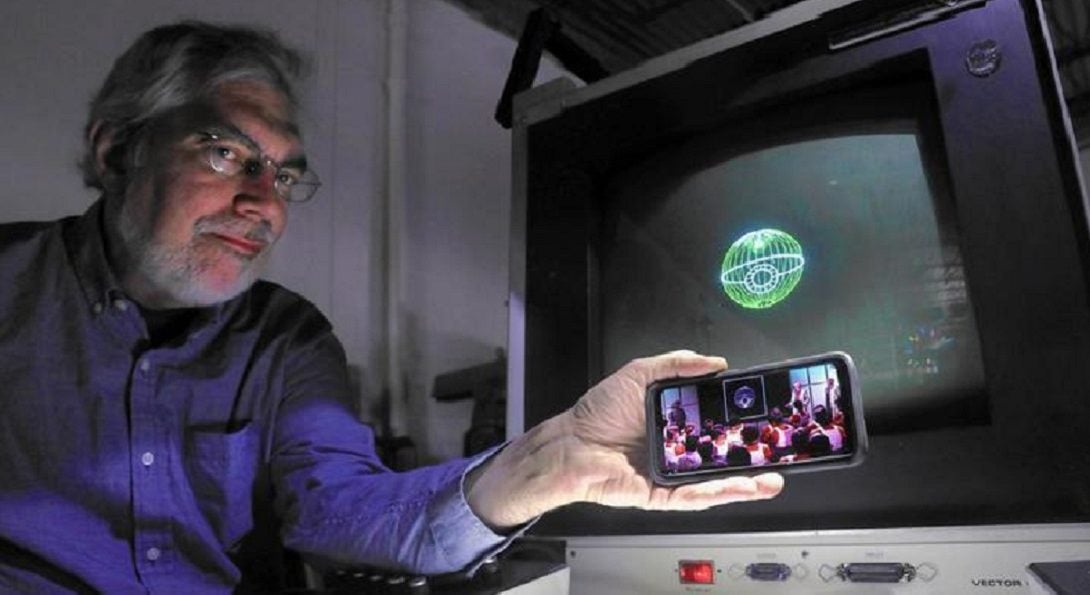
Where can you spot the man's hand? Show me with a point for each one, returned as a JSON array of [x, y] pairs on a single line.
[[597, 452]]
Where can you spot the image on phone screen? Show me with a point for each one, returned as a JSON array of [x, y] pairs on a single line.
[[799, 415]]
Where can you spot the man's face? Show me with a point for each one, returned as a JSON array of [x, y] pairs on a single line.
[[192, 236]]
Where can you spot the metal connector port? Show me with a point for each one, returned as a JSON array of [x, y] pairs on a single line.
[[768, 571], [876, 572]]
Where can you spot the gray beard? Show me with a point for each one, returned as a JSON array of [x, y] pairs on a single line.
[[177, 275]]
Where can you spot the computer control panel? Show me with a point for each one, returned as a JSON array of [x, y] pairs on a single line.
[[992, 559]]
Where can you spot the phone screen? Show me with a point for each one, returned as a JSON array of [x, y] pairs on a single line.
[[799, 413]]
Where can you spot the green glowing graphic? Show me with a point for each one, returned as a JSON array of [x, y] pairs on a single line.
[[761, 268]]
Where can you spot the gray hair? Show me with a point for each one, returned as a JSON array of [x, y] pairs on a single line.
[[173, 66]]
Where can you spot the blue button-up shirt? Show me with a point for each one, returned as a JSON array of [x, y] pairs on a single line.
[[129, 466]]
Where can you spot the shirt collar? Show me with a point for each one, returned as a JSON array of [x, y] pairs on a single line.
[[86, 246]]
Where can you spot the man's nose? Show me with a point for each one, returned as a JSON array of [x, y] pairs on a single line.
[[258, 197]]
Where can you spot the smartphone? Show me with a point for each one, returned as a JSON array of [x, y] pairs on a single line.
[[802, 414]]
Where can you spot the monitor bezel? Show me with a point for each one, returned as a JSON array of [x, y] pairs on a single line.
[[1011, 165]]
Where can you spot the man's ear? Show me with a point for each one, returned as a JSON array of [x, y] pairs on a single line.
[[108, 159], [100, 142]]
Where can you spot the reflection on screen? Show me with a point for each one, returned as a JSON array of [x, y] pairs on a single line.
[[883, 277]]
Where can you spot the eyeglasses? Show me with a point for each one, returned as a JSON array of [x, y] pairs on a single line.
[[231, 156]]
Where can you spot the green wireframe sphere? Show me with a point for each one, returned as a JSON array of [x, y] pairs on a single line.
[[762, 268]]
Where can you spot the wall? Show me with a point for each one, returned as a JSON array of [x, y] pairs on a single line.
[[453, 269], [459, 197]]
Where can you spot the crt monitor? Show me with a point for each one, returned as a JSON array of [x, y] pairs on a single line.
[[891, 179]]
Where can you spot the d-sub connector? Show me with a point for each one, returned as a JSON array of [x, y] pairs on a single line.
[[876, 572], [768, 571]]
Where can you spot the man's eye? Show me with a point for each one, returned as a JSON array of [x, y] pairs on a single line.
[[226, 153], [287, 178]]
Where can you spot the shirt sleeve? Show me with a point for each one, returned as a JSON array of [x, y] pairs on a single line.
[[339, 504]]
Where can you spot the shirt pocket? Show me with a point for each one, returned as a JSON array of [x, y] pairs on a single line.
[[222, 468]]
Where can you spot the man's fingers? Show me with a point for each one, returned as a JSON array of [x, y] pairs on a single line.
[[681, 363], [769, 484], [706, 494]]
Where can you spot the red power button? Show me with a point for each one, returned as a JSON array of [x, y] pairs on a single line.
[[696, 572]]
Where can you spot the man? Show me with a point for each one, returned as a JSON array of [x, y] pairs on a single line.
[[777, 434], [676, 415], [800, 394], [832, 393], [170, 420]]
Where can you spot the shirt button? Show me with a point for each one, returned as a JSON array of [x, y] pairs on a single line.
[[97, 307], [145, 365], [147, 459], [121, 305], [153, 553]]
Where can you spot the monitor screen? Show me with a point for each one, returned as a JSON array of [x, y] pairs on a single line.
[[765, 249]]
